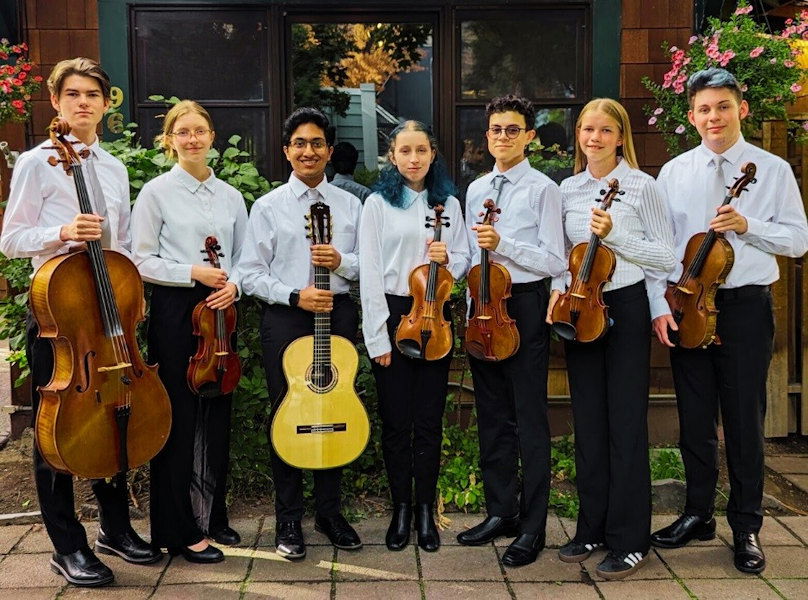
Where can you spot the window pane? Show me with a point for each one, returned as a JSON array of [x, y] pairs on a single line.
[[540, 57]]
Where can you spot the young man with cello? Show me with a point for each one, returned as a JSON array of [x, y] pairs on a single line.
[[511, 394], [277, 266], [766, 221], [43, 220]]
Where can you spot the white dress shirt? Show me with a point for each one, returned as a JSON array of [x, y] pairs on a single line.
[[773, 209], [393, 241], [531, 244], [276, 258], [174, 214], [640, 237], [43, 199]]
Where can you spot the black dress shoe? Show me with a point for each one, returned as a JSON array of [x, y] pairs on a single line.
[[81, 568], [428, 536], [398, 534], [211, 554], [338, 531], [523, 550], [225, 537], [289, 540], [489, 530], [129, 546], [683, 530], [749, 556]]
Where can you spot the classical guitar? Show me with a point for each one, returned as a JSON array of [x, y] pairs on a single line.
[[320, 423]]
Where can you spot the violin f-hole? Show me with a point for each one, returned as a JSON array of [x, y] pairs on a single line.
[[86, 368]]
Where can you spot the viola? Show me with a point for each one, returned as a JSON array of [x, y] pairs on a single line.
[[104, 410], [707, 261], [580, 314], [215, 369], [424, 332], [491, 334]]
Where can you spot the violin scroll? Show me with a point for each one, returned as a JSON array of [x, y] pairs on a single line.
[[747, 177]]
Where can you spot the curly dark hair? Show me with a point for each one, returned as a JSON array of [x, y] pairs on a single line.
[[303, 115], [514, 103]]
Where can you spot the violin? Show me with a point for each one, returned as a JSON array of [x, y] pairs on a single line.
[[215, 369], [580, 314], [491, 334], [104, 410], [707, 261], [424, 332]]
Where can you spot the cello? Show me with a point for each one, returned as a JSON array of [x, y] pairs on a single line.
[[215, 369], [707, 261], [104, 410], [580, 314], [491, 334], [424, 332]]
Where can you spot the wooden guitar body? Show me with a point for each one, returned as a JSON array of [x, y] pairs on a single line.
[[314, 427], [692, 301], [491, 334], [75, 426]]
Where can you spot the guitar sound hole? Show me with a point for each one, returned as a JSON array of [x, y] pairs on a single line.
[[323, 381]]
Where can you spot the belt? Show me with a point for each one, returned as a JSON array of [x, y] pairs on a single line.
[[530, 286], [745, 291]]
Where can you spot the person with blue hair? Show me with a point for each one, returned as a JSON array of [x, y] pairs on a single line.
[[766, 221], [412, 392]]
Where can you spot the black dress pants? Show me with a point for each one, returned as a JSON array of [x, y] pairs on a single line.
[[280, 326], [609, 388], [511, 400], [731, 376], [412, 398], [55, 489], [189, 475]]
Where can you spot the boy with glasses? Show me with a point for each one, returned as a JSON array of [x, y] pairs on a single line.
[[511, 395]]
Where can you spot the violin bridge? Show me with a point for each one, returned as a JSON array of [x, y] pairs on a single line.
[[220, 354], [684, 290], [574, 295], [484, 318], [117, 367]]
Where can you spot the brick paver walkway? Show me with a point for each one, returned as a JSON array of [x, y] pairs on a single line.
[[254, 571]]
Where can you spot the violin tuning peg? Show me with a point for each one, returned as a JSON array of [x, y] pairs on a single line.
[[53, 161], [426, 225], [447, 224], [221, 254]]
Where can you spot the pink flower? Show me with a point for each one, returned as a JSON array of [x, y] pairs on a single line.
[[756, 52], [789, 21], [38, 78], [788, 63], [678, 88], [726, 57], [659, 111], [17, 103], [795, 87], [743, 10], [805, 125], [652, 121], [681, 129], [744, 88], [692, 40]]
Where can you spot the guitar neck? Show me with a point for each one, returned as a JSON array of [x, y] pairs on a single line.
[[322, 321]]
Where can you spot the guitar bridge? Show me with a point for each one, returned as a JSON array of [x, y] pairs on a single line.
[[322, 428]]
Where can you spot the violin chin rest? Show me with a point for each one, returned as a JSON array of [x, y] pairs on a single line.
[[409, 348], [564, 330]]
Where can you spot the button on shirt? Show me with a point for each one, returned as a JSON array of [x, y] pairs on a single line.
[[773, 209], [43, 199], [531, 244], [276, 258], [173, 216], [393, 241], [641, 235]]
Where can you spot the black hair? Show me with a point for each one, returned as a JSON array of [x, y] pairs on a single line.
[[303, 115], [344, 158], [514, 103], [713, 78]]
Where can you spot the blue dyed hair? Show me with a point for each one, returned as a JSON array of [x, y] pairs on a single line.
[[713, 77], [390, 183]]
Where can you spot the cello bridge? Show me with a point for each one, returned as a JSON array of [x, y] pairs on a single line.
[[484, 318], [684, 290], [220, 354], [117, 367]]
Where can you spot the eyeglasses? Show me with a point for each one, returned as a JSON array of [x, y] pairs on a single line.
[[316, 143], [184, 134], [511, 131]]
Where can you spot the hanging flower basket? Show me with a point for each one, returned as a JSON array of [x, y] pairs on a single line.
[[17, 83]]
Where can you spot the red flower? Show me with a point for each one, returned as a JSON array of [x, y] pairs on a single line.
[[22, 76], [16, 49], [17, 82], [4, 55], [18, 104], [26, 67], [38, 78]]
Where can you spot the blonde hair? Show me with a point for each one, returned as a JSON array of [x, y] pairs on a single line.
[[85, 67], [615, 110], [180, 109]]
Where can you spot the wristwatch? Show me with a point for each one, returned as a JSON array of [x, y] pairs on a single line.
[[294, 298]]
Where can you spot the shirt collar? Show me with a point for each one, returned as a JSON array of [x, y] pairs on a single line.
[[409, 196], [190, 182], [620, 172], [515, 173], [732, 154], [299, 188]]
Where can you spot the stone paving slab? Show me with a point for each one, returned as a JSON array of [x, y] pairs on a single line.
[[798, 525], [374, 563], [459, 563], [199, 591], [248, 530], [771, 534], [792, 589], [28, 570], [788, 464], [393, 590], [786, 562], [129, 575], [104, 593], [555, 591], [10, 535], [546, 568], [801, 481], [39, 593], [458, 590], [233, 569], [316, 566], [649, 590], [294, 591], [732, 589], [713, 562]]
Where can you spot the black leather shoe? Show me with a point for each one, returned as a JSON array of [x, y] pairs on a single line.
[[523, 550], [683, 530], [129, 546], [338, 531], [225, 537], [81, 568], [398, 534], [211, 554], [289, 540], [489, 530], [428, 536], [749, 556]]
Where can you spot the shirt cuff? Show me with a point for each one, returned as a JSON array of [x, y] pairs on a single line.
[[616, 236], [659, 307], [559, 284], [506, 246], [378, 345], [284, 291], [51, 237], [754, 227], [343, 269]]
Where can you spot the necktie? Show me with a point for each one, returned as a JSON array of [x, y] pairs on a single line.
[[313, 195], [499, 182], [717, 188], [99, 203]]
